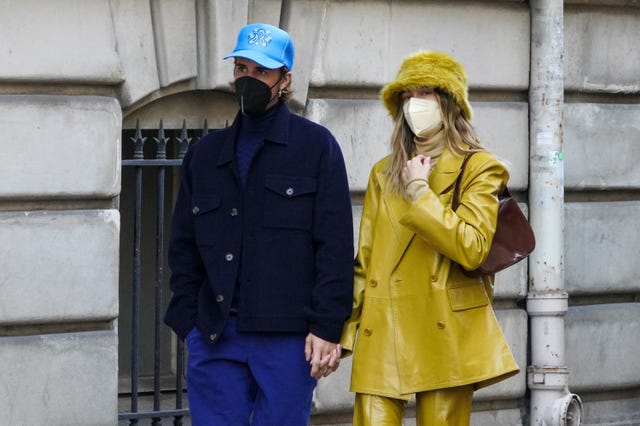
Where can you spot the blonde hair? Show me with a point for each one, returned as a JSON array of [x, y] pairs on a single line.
[[459, 135]]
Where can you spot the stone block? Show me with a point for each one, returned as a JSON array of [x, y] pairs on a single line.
[[64, 263], [601, 148], [60, 147], [511, 283], [363, 130], [218, 23], [600, 245], [59, 379], [602, 347], [503, 127], [133, 29], [58, 41], [175, 40], [368, 52], [616, 410], [601, 53], [504, 417]]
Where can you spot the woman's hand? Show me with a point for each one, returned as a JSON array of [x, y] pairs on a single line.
[[416, 168]]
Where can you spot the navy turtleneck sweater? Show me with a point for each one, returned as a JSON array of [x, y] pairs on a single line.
[[250, 137]]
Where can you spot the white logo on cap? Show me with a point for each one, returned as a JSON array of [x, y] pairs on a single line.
[[260, 36]]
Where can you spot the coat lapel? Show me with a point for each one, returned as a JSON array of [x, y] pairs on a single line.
[[441, 179], [397, 236]]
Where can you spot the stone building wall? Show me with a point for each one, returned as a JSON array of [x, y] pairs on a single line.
[[74, 73]]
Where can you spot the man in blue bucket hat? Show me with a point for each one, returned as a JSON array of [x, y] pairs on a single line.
[[261, 250]]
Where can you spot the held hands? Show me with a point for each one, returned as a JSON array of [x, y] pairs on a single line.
[[324, 356], [417, 168]]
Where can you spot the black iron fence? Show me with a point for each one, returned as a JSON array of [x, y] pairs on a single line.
[[151, 374]]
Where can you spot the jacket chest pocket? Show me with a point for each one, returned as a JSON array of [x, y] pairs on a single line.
[[289, 202], [205, 210]]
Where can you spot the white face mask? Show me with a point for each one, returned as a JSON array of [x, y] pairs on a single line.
[[422, 115]]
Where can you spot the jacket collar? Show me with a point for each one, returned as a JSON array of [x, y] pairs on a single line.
[[442, 176], [278, 133]]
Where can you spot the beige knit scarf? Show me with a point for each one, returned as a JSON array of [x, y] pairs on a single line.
[[431, 145]]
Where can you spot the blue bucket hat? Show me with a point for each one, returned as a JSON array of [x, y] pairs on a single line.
[[265, 44]]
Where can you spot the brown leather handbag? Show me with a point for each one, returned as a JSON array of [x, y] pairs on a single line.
[[514, 239]]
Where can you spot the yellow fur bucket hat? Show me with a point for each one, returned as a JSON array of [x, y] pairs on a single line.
[[430, 69]]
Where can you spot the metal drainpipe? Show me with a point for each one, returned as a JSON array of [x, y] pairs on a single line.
[[547, 376]]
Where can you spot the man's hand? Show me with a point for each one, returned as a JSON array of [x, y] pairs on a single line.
[[324, 356]]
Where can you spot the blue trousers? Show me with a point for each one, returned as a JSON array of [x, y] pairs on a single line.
[[259, 379]]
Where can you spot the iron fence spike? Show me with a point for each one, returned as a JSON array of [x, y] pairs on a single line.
[[138, 141]]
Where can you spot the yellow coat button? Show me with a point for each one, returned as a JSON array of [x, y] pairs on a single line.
[[434, 278], [440, 325], [373, 283], [367, 332]]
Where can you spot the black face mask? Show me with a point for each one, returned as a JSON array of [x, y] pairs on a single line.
[[252, 95]]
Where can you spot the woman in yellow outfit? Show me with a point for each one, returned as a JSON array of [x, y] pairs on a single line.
[[423, 326]]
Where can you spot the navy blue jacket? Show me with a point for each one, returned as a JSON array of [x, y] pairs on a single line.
[[291, 227]]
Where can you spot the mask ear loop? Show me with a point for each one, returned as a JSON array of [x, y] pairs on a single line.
[[280, 90]]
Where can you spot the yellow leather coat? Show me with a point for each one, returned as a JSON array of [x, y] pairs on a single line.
[[421, 324]]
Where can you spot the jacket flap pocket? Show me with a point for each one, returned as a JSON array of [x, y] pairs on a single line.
[[467, 295], [290, 186], [203, 203]]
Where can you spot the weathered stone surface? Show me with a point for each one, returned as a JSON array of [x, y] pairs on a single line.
[[606, 336], [60, 147], [63, 41], [59, 266], [59, 379], [367, 52], [600, 244], [601, 146], [601, 53]]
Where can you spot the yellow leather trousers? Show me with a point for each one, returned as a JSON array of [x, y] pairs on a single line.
[[442, 407]]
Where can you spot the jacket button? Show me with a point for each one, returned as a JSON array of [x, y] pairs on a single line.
[[213, 336], [440, 325], [219, 298], [195, 210], [367, 332], [228, 257], [434, 278], [289, 191], [234, 212], [373, 283]]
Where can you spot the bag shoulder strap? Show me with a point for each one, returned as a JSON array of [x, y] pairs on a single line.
[[456, 189]]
